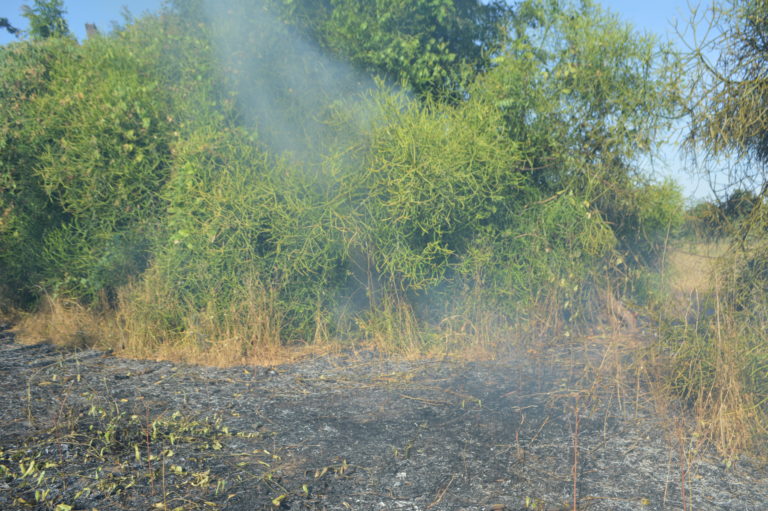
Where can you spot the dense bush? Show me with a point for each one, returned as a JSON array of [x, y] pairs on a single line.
[[238, 217], [187, 164], [436, 176], [108, 115], [586, 96], [88, 131], [27, 213]]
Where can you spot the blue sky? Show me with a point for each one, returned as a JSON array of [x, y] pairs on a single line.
[[653, 16], [80, 12]]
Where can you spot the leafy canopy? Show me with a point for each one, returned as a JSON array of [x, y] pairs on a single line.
[[431, 46], [730, 99], [46, 19]]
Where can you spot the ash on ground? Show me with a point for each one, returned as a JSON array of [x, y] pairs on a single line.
[[350, 431]]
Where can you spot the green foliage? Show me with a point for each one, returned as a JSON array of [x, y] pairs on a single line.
[[4, 23], [46, 19], [85, 154], [542, 267], [732, 88], [430, 46], [188, 157], [738, 216], [237, 218], [588, 92], [646, 216], [105, 164], [704, 221], [25, 209], [740, 204], [437, 175], [586, 97]]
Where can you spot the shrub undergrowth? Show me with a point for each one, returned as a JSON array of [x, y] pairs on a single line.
[[148, 175], [714, 351]]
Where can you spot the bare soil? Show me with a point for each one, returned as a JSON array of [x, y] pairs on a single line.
[[354, 430]]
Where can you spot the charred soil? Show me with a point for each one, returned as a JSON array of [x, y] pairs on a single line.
[[353, 430]]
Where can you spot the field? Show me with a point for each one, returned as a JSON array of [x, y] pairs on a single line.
[[344, 229], [574, 427]]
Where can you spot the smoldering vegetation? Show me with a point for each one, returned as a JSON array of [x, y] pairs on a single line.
[[348, 431], [222, 183], [211, 166], [285, 87]]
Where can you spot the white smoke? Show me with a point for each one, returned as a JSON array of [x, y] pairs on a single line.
[[285, 86]]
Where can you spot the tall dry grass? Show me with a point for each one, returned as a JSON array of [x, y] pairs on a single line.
[[66, 323], [712, 351], [148, 324]]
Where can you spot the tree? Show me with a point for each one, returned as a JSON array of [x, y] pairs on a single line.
[[431, 46], [46, 19], [740, 204], [4, 23], [705, 221], [728, 105], [727, 110], [587, 96]]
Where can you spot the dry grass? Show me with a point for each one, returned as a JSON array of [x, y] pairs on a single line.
[[708, 371], [249, 335], [151, 324], [708, 351], [65, 323], [691, 275], [146, 325], [689, 267], [487, 335]]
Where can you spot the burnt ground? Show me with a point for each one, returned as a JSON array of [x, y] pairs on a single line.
[[356, 430]]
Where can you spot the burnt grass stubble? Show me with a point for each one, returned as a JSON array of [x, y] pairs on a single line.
[[353, 430]]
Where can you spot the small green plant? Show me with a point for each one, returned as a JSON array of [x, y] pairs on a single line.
[[118, 450]]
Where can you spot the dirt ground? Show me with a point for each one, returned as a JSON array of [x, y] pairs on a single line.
[[350, 431]]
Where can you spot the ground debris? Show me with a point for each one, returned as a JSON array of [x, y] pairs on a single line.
[[345, 431]]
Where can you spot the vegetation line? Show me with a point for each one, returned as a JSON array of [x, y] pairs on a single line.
[[281, 176]]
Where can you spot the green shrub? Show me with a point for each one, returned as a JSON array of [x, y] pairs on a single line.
[[435, 176], [455, 223], [584, 96], [544, 266], [26, 211], [236, 214], [86, 148], [645, 216], [109, 119]]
